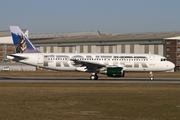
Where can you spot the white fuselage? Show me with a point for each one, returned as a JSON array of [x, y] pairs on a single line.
[[129, 62]]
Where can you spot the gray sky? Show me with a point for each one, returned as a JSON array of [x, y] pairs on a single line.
[[115, 16]]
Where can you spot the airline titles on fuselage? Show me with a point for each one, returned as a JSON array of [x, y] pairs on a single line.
[[134, 61]]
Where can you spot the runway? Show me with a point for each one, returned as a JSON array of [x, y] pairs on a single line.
[[86, 80]]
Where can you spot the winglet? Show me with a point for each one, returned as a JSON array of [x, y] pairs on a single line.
[[21, 42]]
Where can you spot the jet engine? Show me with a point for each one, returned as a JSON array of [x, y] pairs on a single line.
[[113, 72]]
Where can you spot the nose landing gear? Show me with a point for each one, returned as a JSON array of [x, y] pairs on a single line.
[[151, 76]]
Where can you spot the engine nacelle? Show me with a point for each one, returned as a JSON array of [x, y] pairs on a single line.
[[115, 72]]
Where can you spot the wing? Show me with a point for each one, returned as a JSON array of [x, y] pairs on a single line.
[[89, 65]]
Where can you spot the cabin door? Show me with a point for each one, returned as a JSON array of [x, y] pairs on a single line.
[[40, 59], [151, 59]]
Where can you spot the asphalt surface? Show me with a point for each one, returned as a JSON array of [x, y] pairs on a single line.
[[87, 80]]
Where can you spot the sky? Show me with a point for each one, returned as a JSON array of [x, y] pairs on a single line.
[[113, 16]]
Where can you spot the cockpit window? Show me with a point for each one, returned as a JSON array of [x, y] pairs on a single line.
[[164, 59]]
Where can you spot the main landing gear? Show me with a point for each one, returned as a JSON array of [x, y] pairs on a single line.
[[151, 76], [94, 76]]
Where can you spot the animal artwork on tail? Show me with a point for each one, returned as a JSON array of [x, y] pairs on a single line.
[[22, 46]]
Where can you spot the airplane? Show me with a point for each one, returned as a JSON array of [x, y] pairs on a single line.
[[110, 64]]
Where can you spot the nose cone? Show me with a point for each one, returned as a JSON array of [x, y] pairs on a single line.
[[171, 65]]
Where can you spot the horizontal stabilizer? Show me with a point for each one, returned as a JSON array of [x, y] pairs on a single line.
[[16, 57]]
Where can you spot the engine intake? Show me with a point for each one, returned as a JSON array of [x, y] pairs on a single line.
[[115, 72]]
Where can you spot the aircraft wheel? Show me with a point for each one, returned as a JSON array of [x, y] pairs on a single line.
[[151, 78], [93, 77]]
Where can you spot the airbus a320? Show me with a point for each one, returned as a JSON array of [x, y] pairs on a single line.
[[112, 64]]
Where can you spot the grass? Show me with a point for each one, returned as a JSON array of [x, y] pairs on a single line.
[[83, 74], [81, 101]]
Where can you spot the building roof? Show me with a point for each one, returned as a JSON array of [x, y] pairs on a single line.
[[8, 33], [95, 37], [74, 34], [173, 38], [122, 37]]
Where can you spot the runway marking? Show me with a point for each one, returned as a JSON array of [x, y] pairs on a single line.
[[86, 80]]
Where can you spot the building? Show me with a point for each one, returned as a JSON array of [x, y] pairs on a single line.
[[128, 43], [6, 49], [172, 50]]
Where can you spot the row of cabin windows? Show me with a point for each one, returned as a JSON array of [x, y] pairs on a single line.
[[100, 59]]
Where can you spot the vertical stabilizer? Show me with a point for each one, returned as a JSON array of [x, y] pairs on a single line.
[[21, 42]]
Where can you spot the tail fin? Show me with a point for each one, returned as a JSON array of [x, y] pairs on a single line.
[[21, 42]]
